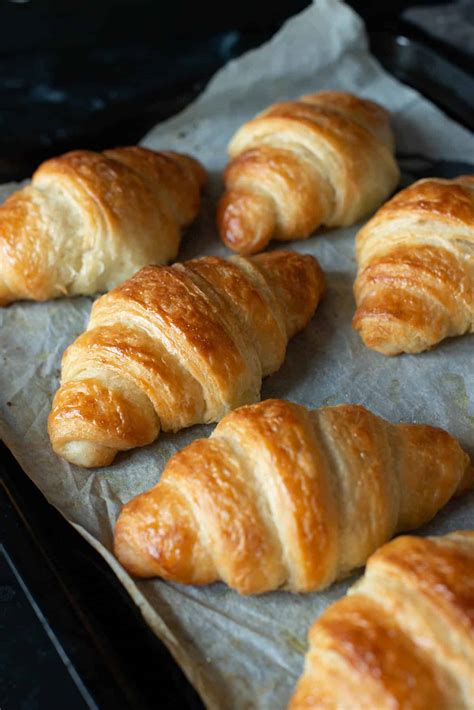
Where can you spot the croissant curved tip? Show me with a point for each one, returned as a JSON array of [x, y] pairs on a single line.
[[299, 282], [387, 334], [246, 221], [155, 535], [86, 454], [198, 170], [129, 550]]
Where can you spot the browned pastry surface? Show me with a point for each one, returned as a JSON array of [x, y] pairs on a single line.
[[176, 346], [403, 638], [282, 496], [90, 220], [324, 159], [415, 283]]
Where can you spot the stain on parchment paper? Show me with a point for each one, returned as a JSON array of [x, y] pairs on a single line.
[[394, 391], [458, 392], [331, 401], [294, 643]]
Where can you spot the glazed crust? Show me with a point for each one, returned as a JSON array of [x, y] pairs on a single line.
[[176, 346], [90, 220], [415, 281], [404, 635], [324, 159], [281, 496]]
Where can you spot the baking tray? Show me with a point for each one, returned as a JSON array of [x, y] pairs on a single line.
[[108, 657]]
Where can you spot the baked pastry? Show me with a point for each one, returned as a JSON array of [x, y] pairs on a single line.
[[415, 283], [90, 220], [403, 637], [282, 496], [325, 159], [176, 346]]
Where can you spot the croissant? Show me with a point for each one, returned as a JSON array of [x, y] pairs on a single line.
[[282, 496], [327, 158], [176, 346], [90, 220], [403, 637], [415, 281]]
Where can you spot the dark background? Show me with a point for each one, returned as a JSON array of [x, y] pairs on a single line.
[[96, 73], [92, 74]]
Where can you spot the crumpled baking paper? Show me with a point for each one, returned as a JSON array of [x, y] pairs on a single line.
[[248, 652]]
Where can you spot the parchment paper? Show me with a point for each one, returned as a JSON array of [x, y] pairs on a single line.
[[248, 652]]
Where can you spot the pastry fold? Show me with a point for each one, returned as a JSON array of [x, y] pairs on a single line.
[[90, 220], [176, 346], [325, 159], [403, 637], [415, 280], [283, 496]]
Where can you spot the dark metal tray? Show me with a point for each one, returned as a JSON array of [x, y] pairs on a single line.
[[418, 62], [88, 645]]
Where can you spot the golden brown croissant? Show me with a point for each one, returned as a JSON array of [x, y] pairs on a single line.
[[90, 220], [415, 284], [403, 637], [324, 159], [283, 496], [177, 346]]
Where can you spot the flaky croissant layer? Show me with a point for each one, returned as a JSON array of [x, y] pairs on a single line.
[[327, 158], [404, 635], [177, 346], [282, 496], [415, 281], [90, 220]]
